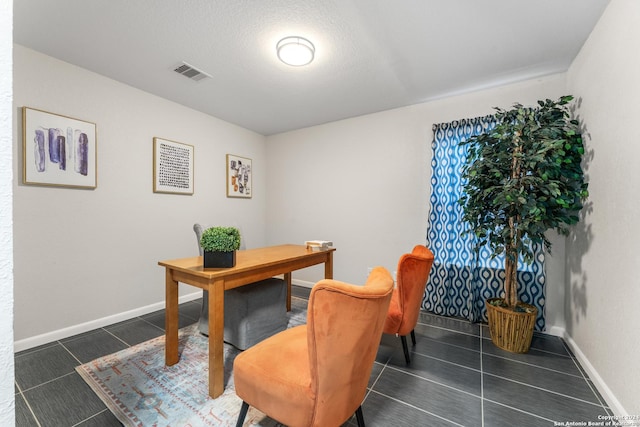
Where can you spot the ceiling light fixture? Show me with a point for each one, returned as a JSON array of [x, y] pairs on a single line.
[[295, 51]]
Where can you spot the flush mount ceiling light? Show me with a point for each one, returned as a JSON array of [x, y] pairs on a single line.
[[295, 51]]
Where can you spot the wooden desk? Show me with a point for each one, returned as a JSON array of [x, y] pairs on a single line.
[[251, 265]]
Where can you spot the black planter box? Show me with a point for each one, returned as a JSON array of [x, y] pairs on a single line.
[[219, 259]]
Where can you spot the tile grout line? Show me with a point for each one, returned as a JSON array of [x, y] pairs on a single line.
[[442, 384], [80, 364], [481, 371], [26, 402], [586, 379], [520, 362], [117, 337], [91, 417], [49, 381], [449, 344], [370, 389], [387, 364], [69, 351], [35, 350], [395, 399], [479, 334], [541, 350], [448, 329], [448, 362], [380, 374], [520, 410], [155, 326], [522, 383], [545, 390]]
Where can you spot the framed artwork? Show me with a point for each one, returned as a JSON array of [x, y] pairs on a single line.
[[172, 167], [239, 177], [58, 150]]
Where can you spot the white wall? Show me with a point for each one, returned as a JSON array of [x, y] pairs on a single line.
[[85, 256], [365, 183], [602, 257], [7, 411]]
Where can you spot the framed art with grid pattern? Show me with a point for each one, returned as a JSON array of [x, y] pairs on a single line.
[[172, 167]]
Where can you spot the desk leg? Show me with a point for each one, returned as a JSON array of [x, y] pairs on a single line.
[[216, 339], [171, 319], [328, 266], [287, 280]]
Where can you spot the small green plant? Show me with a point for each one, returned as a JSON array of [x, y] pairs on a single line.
[[220, 239]]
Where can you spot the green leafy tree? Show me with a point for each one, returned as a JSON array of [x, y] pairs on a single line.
[[521, 179]]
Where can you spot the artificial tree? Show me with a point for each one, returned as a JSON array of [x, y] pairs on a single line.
[[522, 178]]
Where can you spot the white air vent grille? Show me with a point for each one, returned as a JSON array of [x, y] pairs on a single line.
[[191, 72]]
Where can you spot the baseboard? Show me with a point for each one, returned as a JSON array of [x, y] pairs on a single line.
[[599, 383], [602, 387], [53, 336], [556, 331], [302, 283], [27, 343], [60, 334]]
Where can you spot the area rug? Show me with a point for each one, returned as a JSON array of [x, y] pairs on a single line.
[[141, 391]]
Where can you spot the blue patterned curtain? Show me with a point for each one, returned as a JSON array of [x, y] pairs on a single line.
[[460, 279]]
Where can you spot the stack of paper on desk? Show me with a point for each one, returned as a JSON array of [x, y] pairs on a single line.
[[318, 245]]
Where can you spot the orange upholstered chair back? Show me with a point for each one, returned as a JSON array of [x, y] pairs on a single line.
[[344, 326], [411, 279]]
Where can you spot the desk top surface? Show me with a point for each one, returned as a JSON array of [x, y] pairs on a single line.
[[249, 259]]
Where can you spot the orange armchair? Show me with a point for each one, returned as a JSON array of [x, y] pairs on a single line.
[[317, 374], [411, 280]]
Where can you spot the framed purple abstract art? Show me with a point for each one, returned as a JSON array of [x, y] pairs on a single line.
[[58, 150]]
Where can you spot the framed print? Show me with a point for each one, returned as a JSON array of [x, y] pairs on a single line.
[[172, 167], [58, 150], [239, 177]]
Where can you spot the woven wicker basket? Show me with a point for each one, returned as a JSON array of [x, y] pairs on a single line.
[[511, 330]]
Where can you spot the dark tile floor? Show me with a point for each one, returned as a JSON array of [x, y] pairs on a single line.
[[457, 377]]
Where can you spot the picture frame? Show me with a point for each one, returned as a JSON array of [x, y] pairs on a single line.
[[58, 150], [172, 167], [239, 177]]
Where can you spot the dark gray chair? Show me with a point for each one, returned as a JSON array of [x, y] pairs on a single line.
[[251, 313]]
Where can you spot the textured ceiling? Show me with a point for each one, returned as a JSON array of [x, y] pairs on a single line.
[[371, 55]]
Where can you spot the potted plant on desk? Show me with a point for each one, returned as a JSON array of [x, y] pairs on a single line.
[[219, 245], [522, 178]]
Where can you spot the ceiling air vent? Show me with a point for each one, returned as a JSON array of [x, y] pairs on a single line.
[[191, 72]]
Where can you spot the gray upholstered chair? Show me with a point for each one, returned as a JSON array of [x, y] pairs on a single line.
[[252, 312]]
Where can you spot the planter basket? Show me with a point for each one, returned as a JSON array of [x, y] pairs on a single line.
[[511, 330], [219, 259]]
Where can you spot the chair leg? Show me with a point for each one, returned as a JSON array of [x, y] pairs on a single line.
[[413, 337], [359, 416], [405, 347], [243, 414]]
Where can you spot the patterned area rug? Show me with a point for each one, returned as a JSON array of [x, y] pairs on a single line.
[[140, 390]]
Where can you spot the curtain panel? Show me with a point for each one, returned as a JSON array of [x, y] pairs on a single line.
[[461, 279]]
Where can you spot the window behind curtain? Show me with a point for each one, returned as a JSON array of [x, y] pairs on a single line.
[[461, 280]]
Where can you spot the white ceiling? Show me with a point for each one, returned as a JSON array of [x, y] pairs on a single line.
[[371, 55]]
